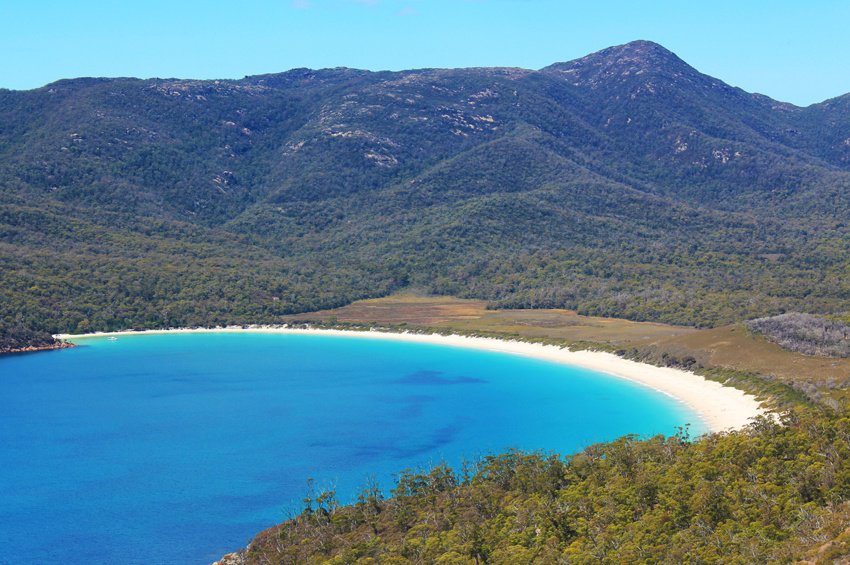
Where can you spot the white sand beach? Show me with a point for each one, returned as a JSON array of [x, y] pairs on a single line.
[[722, 408]]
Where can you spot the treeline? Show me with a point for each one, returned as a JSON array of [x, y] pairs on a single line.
[[805, 333], [64, 271], [771, 493]]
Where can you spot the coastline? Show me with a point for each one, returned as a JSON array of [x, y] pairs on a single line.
[[721, 408], [34, 348]]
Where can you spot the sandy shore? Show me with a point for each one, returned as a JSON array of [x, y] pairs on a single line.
[[721, 408]]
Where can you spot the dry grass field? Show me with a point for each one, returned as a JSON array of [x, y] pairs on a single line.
[[473, 316], [731, 347]]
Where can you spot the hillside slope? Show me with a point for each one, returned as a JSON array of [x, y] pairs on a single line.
[[770, 494], [624, 183]]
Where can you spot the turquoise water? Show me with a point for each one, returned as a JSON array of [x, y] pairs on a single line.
[[179, 448]]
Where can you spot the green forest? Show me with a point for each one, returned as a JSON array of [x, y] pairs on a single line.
[[775, 493], [130, 203]]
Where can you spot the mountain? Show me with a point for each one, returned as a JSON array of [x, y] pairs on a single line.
[[623, 183]]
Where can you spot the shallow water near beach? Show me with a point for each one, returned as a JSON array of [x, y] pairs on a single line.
[[179, 448]]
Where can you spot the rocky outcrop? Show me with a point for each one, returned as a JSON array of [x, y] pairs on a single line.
[[32, 348], [236, 558]]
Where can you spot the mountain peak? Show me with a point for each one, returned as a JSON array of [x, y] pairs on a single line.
[[621, 62], [641, 50]]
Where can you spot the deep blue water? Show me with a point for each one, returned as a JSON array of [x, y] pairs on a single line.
[[179, 448]]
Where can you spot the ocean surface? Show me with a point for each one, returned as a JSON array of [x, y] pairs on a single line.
[[179, 448]]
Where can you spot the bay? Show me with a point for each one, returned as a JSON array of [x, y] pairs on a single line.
[[177, 448]]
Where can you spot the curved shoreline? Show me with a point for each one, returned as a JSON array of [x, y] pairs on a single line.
[[720, 407]]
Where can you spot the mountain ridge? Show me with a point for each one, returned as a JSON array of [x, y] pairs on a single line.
[[629, 48], [644, 189]]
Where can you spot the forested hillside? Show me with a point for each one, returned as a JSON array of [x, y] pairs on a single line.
[[623, 184], [770, 494]]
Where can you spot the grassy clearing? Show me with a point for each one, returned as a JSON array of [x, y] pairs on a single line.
[[730, 354]]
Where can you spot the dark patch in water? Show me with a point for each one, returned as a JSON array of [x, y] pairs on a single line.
[[404, 449], [434, 378], [439, 438], [406, 406], [406, 399]]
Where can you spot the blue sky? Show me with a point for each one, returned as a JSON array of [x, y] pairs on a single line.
[[793, 51]]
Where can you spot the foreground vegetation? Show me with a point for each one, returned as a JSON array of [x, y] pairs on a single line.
[[775, 492]]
